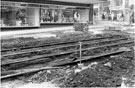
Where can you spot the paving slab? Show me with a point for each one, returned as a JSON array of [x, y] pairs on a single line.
[[43, 32]]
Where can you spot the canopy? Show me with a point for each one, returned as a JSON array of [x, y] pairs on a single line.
[[80, 1]]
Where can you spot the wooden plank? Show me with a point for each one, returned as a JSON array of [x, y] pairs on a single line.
[[28, 63], [25, 71]]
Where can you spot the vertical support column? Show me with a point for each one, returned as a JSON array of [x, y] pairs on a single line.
[[91, 14]]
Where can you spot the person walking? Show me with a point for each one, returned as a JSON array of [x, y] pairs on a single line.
[[103, 16], [112, 16], [122, 17], [77, 17], [119, 16]]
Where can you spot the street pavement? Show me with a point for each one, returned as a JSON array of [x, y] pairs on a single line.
[[46, 32]]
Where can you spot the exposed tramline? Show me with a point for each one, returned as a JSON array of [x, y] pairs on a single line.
[[46, 50], [46, 43], [18, 60], [13, 73], [103, 58], [28, 62]]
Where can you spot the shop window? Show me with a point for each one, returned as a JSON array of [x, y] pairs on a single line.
[[63, 14], [17, 14], [21, 17], [56, 16], [68, 16]]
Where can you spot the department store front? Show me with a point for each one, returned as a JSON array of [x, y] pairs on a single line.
[[22, 14], [15, 14], [62, 14]]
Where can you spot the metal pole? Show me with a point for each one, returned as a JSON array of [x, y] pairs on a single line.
[[80, 51]]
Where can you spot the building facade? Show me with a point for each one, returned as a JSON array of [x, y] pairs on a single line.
[[101, 7], [39, 13], [122, 6], [115, 7]]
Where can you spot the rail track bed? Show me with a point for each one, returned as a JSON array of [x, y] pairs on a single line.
[[39, 51], [59, 54], [28, 43], [59, 45], [106, 59], [9, 60]]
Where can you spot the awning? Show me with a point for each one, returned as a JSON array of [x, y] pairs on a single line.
[[60, 2], [80, 1]]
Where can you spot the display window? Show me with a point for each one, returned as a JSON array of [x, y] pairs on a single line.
[[56, 15], [62, 14], [18, 14]]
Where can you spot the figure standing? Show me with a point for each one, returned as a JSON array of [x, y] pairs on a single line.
[[112, 16], [103, 16], [77, 17]]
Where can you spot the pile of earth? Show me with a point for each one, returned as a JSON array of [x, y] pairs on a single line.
[[108, 72]]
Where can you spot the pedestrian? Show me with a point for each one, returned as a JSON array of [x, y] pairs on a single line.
[[112, 16], [106, 16], [77, 17], [122, 16], [109, 17], [94, 17], [119, 16], [115, 16], [103, 16]]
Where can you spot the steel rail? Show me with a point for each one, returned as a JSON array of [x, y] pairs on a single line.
[[20, 72], [91, 57], [42, 45], [59, 47], [19, 60]]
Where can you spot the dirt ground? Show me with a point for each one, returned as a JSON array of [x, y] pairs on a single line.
[[113, 71]]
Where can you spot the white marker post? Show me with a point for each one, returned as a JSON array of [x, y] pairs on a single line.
[[80, 51], [80, 64]]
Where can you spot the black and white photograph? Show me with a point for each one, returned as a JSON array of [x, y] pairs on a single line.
[[67, 44]]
